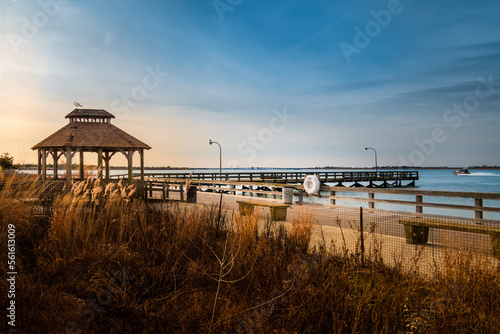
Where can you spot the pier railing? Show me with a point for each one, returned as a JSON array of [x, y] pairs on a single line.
[[373, 179]]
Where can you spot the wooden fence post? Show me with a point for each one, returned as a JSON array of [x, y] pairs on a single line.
[[301, 197], [332, 201], [419, 208], [478, 202]]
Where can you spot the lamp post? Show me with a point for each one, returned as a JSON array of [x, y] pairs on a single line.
[[220, 156], [220, 176], [376, 167]]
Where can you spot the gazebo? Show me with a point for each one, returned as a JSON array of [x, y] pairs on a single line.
[[88, 130]]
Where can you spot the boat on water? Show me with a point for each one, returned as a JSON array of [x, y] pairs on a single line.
[[463, 171]]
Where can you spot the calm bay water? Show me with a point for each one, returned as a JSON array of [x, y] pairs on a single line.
[[480, 180]]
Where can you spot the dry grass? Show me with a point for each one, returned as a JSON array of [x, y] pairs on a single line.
[[102, 261]]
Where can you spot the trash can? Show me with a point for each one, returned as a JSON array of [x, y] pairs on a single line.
[[416, 235], [287, 195], [191, 194]]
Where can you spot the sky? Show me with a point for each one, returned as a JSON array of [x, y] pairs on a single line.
[[284, 83]]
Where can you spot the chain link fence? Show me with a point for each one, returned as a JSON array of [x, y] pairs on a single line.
[[410, 240]]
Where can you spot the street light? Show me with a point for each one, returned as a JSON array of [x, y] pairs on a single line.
[[220, 176], [376, 167], [220, 155]]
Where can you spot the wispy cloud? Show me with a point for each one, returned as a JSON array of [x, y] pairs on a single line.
[[225, 77]]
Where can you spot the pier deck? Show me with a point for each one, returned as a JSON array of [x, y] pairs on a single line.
[[357, 178]]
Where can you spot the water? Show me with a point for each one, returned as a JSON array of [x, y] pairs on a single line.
[[480, 180]]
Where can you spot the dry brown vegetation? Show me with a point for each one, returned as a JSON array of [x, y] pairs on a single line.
[[98, 260]]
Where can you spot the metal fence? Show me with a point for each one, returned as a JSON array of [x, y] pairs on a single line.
[[409, 240], [401, 227]]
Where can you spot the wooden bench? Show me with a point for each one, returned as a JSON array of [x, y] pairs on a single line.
[[278, 210], [417, 231]]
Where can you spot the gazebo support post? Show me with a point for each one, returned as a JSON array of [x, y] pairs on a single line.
[[81, 165], [106, 163], [141, 153], [39, 162], [68, 168], [107, 157], [44, 165], [55, 157], [130, 164], [99, 162]]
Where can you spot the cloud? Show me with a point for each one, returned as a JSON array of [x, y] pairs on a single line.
[[226, 77]]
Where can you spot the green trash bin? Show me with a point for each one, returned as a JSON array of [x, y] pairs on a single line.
[[416, 235], [191, 194]]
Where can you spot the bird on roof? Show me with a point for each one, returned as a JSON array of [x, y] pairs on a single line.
[[78, 105]]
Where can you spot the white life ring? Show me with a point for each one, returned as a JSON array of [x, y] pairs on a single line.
[[311, 184]]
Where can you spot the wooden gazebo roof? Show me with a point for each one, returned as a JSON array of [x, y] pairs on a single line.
[[90, 129]]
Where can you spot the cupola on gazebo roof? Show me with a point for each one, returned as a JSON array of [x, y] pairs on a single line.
[[89, 113], [89, 130]]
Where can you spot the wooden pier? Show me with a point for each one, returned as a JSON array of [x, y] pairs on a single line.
[[339, 179]]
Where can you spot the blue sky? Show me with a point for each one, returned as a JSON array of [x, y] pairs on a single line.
[[284, 83]]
